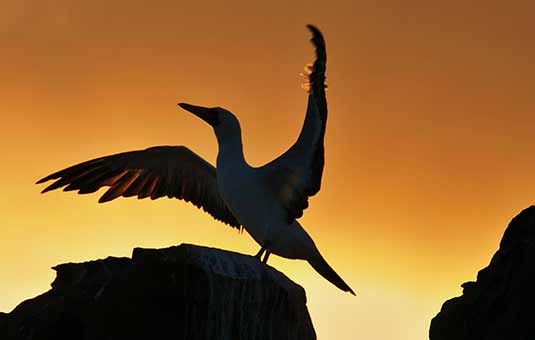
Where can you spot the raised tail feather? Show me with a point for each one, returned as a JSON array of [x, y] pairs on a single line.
[[323, 268]]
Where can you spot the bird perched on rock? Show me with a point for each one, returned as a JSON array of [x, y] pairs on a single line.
[[266, 200]]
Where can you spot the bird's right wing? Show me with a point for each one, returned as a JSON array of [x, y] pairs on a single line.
[[172, 171]]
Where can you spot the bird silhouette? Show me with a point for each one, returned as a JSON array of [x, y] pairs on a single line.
[[266, 200]]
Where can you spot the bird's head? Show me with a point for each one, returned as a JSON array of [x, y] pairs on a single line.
[[225, 124]]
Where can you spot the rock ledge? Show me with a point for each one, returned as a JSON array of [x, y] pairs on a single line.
[[184, 292]]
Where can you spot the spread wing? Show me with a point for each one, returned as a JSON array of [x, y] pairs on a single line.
[[172, 171], [296, 175]]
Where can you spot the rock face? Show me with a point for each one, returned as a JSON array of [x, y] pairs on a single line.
[[185, 292], [500, 304]]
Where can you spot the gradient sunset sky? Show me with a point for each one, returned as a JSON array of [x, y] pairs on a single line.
[[430, 144]]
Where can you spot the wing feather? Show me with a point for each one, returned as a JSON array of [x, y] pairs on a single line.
[[296, 175], [172, 171]]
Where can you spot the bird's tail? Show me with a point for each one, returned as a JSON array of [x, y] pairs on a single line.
[[323, 268]]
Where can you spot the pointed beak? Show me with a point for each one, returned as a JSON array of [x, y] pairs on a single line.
[[206, 114]]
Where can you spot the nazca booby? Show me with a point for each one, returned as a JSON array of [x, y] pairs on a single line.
[[266, 200]]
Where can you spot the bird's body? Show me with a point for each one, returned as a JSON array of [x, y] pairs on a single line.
[[266, 200], [245, 190]]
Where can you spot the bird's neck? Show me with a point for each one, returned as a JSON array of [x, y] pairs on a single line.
[[230, 151]]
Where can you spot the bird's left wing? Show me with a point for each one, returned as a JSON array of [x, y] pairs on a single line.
[[296, 174], [172, 171]]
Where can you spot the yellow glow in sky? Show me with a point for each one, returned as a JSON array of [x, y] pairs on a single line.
[[429, 141]]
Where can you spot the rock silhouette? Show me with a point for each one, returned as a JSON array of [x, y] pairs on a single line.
[[499, 305], [184, 292]]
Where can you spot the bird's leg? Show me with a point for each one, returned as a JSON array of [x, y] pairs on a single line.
[[260, 252], [266, 256]]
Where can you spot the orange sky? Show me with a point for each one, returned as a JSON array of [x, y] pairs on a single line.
[[429, 147]]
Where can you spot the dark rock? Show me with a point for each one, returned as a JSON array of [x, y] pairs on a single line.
[[3, 317], [184, 292], [500, 304]]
